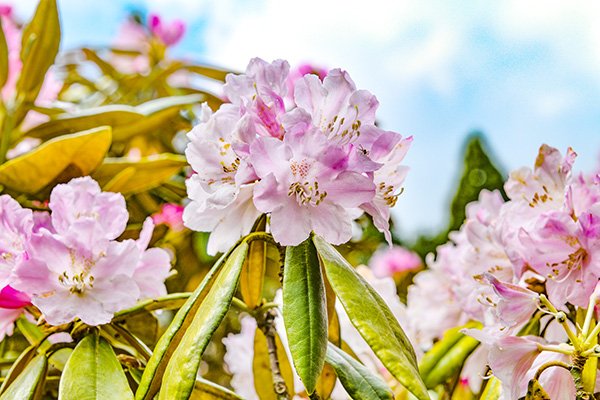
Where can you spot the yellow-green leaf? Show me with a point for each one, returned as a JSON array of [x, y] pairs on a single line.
[[93, 373], [39, 46], [57, 160], [372, 318], [451, 362], [359, 382], [127, 177], [29, 384], [3, 57], [253, 273], [261, 367], [18, 366], [492, 389], [155, 368], [305, 311], [182, 369], [326, 382], [207, 390]]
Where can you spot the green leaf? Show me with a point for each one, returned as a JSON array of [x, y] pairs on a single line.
[[358, 381], [451, 362], [3, 57], [305, 311], [127, 177], [126, 121], [155, 368], [57, 160], [492, 389], [450, 338], [182, 369], [39, 46], [93, 373], [29, 384], [18, 366], [373, 319], [207, 390]]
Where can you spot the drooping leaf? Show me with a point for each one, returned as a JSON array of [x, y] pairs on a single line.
[[261, 367], [305, 312], [372, 318], [207, 390], [29, 384], [127, 177], [208, 71], [93, 372], [358, 381], [57, 160], [182, 368], [326, 382], [253, 273], [155, 368], [39, 46]]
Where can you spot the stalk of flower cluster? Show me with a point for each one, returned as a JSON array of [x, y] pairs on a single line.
[[266, 323]]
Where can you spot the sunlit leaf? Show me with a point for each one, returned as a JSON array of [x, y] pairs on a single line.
[[29, 384], [261, 367], [372, 318], [57, 160], [93, 373], [182, 369]]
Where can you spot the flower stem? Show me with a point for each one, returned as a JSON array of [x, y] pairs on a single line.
[[266, 323]]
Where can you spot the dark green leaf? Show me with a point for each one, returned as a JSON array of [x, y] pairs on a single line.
[[358, 381], [305, 312]]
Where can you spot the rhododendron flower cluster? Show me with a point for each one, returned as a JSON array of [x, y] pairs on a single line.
[[534, 256], [69, 264], [310, 157]]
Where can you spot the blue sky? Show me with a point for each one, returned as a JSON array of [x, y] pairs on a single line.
[[525, 73]]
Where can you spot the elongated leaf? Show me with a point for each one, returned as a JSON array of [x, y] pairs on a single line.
[[57, 160], [126, 121], [155, 368], [451, 362], [208, 71], [326, 382], [305, 311], [492, 390], [29, 383], [3, 57], [253, 274], [93, 373], [18, 366], [261, 367], [40, 42], [373, 319], [207, 390], [127, 177], [358, 381], [181, 371], [441, 347]]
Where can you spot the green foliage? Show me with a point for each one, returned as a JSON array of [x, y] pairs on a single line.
[[30, 382], [304, 311], [479, 172], [372, 318], [358, 381]]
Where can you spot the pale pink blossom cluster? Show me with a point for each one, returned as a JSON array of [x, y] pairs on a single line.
[[69, 264], [313, 161], [544, 240]]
